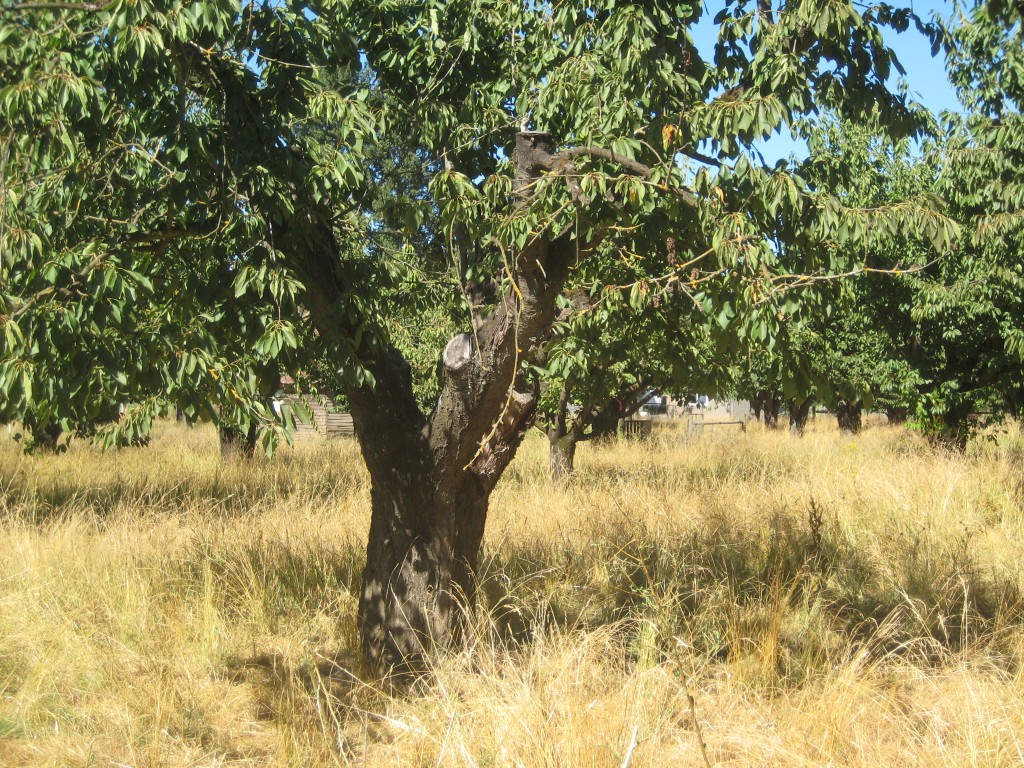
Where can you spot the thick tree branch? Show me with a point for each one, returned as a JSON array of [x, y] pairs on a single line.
[[386, 415], [387, 418], [633, 166], [65, 291], [482, 411], [169, 234], [701, 157]]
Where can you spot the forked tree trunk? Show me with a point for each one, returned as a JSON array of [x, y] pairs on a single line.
[[431, 475], [431, 479], [798, 413], [564, 437], [848, 416]]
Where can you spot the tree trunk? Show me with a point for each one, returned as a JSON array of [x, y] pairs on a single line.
[[431, 476], [431, 479], [562, 439], [562, 458], [897, 415], [235, 444], [605, 423], [956, 427], [798, 412], [848, 415], [420, 577], [46, 438], [772, 405], [180, 417]]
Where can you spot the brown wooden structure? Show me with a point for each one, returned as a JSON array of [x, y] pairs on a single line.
[[328, 420]]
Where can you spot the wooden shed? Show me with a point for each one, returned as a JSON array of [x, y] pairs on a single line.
[[329, 421]]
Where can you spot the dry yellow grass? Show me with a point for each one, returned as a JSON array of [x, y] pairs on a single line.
[[825, 601]]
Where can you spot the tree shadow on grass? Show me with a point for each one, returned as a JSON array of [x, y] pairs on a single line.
[[232, 488], [794, 590]]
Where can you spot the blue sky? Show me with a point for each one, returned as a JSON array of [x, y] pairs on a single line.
[[926, 76]]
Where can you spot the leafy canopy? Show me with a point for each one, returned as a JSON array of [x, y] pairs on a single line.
[[166, 166]]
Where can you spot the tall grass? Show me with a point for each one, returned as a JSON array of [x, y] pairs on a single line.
[[824, 601]]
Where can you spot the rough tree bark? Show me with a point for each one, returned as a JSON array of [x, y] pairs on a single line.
[[431, 476], [798, 413], [848, 415]]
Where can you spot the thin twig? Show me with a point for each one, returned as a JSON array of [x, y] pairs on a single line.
[[696, 727]]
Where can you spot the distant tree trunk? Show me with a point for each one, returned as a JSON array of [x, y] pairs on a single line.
[[592, 424], [897, 414], [1013, 401], [562, 440], [798, 412], [848, 416], [46, 438], [771, 411], [956, 427], [562, 458], [605, 421], [767, 405], [234, 444]]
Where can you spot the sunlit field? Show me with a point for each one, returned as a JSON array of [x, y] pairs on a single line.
[[784, 602]]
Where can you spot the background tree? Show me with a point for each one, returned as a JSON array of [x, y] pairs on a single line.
[[868, 348], [608, 352], [757, 377], [970, 312]]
